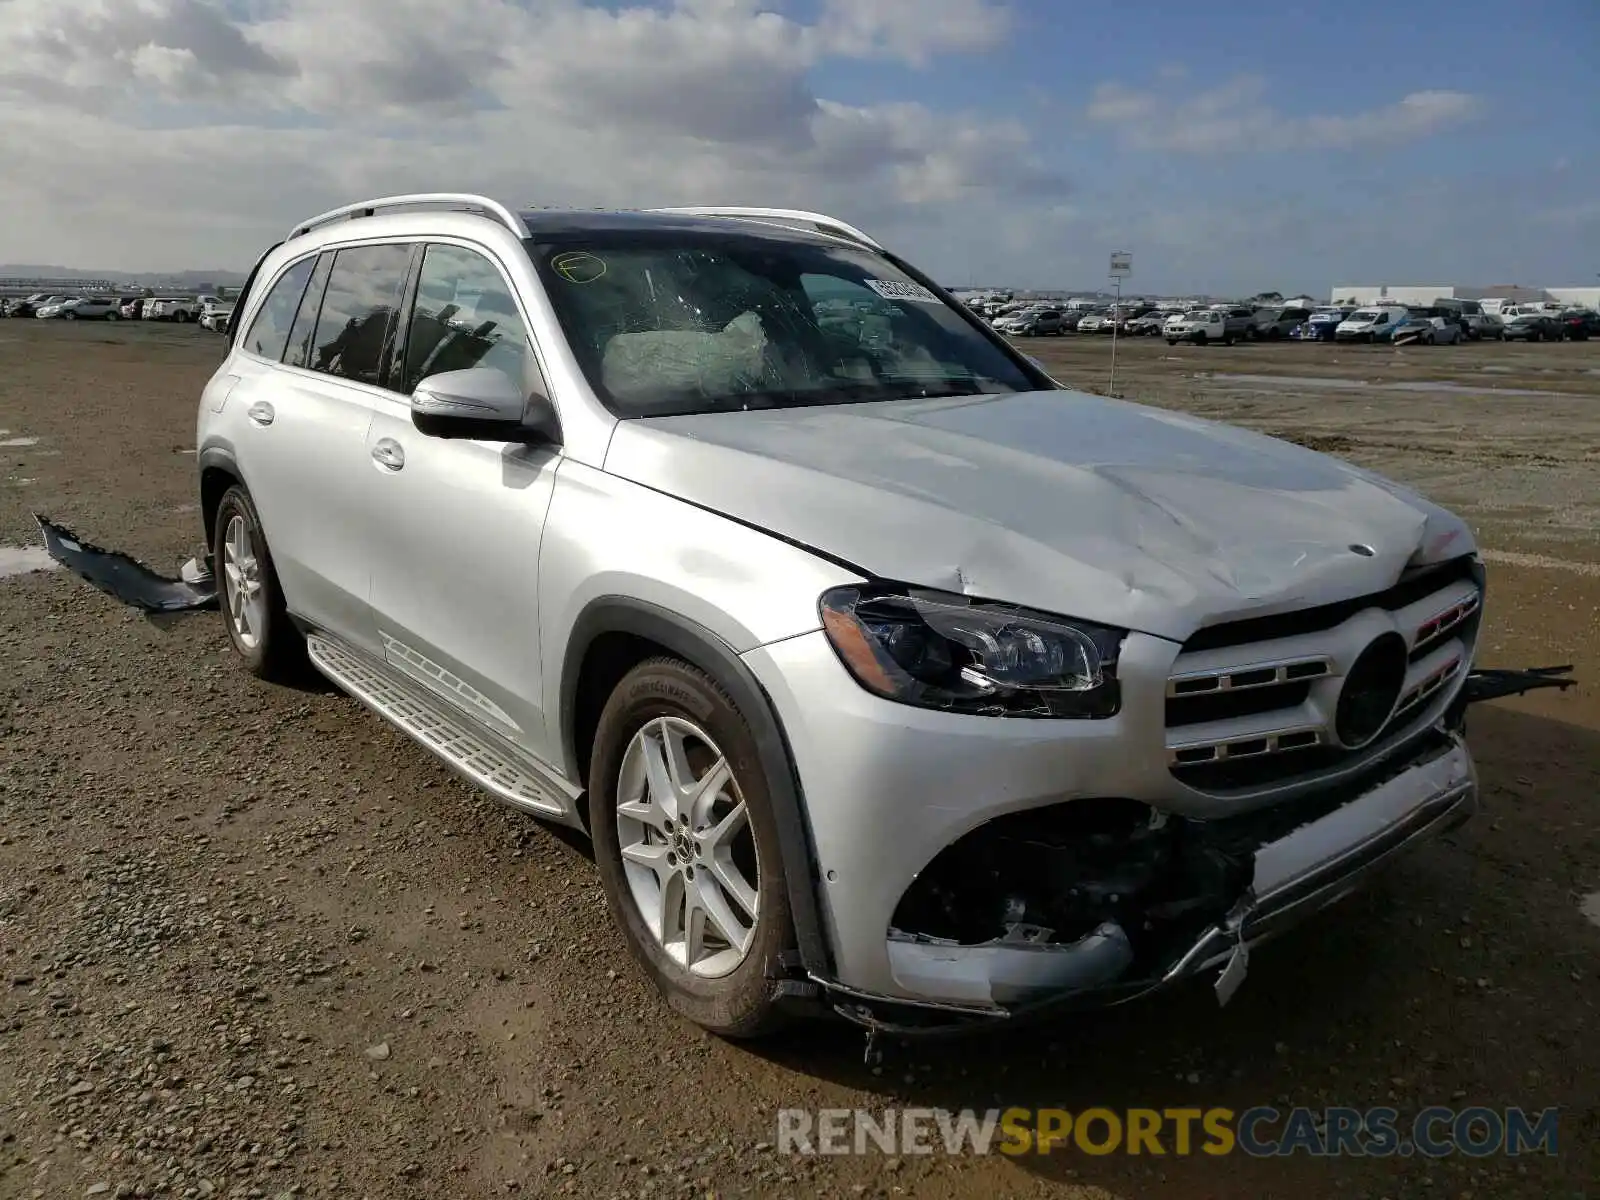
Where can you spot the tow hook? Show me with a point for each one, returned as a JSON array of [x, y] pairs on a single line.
[[1492, 684]]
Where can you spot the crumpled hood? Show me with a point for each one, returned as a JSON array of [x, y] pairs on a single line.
[[1055, 500]]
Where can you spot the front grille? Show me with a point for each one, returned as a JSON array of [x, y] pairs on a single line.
[[1257, 703]]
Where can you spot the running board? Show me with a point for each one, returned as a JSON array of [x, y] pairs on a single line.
[[471, 753]]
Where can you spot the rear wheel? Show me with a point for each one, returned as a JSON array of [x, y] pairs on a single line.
[[248, 592], [687, 846]]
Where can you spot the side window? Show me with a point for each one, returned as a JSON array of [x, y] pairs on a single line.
[[464, 316], [358, 309], [269, 331], [298, 353]]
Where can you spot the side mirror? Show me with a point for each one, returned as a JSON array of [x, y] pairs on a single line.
[[484, 404]]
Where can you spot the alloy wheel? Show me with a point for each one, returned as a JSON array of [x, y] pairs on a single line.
[[241, 571], [687, 849]]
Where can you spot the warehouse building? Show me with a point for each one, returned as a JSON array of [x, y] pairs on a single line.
[[1490, 297]]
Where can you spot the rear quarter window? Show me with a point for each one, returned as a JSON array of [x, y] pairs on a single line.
[[269, 330]]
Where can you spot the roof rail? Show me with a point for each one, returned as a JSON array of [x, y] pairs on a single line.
[[453, 200], [820, 222]]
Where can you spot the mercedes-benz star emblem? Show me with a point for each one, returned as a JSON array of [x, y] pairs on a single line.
[[1371, 690]]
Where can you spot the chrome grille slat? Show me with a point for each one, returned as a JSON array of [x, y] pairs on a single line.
[[1234, 679]]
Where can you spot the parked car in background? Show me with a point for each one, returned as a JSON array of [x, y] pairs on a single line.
[[129, 307], [1273, 323], [217, 317], [1201, 326], [1033, 322], [1369, 325], [1070, 319], [29, 306], [172, 308], [1425, 330], [1148, 325], [1095, 322], [1237, 319], [1579, 324], [84, 308], [1320, 323], [1533, 327], [1482, 326]]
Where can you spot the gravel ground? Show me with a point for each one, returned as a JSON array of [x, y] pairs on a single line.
[[252, 943]]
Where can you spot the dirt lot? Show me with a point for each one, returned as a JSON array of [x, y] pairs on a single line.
[[253, 943]]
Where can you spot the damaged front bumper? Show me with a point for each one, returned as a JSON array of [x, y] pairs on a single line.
[[1291, 877]]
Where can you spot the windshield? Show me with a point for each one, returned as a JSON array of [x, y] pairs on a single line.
[[669, 322], [1364, 314]]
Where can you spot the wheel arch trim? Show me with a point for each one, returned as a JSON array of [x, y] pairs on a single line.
[[702, 648]]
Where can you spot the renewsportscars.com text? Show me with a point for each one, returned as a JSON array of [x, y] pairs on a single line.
[[1261, 1131]]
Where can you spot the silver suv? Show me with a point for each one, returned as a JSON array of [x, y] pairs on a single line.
[[886, 674]]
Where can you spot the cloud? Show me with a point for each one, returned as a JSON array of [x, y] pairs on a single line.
[[1238, 117], [913, 32], [230, 121]]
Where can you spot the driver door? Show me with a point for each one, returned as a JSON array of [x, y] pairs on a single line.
[[455, 549]]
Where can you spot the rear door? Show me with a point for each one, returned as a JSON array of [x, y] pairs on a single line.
[[455, 538], [306, 410]]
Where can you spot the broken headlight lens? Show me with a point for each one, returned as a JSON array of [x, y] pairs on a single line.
[[938, 651]]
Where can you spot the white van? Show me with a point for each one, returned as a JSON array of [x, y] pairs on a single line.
[[1370, 323]]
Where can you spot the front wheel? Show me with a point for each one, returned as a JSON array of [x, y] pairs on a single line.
[[69, 316], [687, 846], [1172, 341], [111, 316], [248, 592]]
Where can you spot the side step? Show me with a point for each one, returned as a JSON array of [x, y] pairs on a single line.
[[471, 753]]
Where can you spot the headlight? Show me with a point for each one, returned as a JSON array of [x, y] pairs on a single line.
[[942, 651]]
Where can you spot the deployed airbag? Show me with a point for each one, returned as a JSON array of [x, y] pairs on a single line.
[[125, 578], [640, 366]]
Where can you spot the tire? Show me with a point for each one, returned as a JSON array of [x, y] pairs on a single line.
[[728, 995], [266, 639], [111, 316], [69, 316], [1172, 341], [1227, 339]]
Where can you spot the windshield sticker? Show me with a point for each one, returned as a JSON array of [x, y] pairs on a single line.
[[889, 289], [578, 267]]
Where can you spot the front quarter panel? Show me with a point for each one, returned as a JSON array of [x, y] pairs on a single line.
[[607, 537]]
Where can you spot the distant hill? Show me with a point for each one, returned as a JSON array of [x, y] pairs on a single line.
[[175, 279]]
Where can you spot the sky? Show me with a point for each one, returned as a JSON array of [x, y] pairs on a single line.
[[1231, 147]]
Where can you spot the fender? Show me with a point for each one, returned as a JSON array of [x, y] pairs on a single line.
[[219, 455], [216, 455], [702, 648]]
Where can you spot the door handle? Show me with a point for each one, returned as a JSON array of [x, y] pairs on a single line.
[[388, 454], [261, 413]]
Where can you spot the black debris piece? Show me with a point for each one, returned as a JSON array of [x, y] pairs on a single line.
[[1493, 683], [122, 577]]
